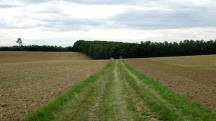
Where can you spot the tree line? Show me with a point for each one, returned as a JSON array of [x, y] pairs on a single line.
[[105, 49], [36, 48]]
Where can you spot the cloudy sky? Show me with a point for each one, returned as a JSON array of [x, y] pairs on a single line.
[[61, 22]]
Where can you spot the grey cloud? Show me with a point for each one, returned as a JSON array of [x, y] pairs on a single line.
[[156, 19], [177, 17], [70, 24], [8, 6], [101, 1], [2, 24], [122, 2], [5, 25], [135, 2], [35, 1], [111, 2], [87, 1]]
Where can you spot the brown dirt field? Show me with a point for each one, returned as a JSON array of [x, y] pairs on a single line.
[[207, 62], [197, 83], [22, 56], [26, 85]]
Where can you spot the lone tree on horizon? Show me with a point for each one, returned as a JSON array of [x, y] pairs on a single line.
[[19, 41]]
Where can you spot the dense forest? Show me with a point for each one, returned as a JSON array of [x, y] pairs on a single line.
[[36, 48], [105, 49]]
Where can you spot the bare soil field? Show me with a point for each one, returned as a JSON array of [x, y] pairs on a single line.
[[30, 79], [206, 62], [194, 76], [22, 56]]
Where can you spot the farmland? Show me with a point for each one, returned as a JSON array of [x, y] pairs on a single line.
[[120, 92], [191, 75], [30, 79], [107, 60], [13, 56], [67, 86]]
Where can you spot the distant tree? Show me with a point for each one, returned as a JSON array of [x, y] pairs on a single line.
[[19, 41]]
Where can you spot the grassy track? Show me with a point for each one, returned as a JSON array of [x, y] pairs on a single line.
[[121, 93]]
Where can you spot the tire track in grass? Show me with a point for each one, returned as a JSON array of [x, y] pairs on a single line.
[[115, 101], [95, 110], [120, 111], [136, 103], [167, 110], [107, 102]]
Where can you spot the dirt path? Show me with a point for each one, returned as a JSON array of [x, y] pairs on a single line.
[[120, 93]]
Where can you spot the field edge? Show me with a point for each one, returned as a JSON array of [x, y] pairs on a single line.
[[48, 110]]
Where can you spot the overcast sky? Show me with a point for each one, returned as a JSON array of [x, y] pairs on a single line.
[[61, 22]]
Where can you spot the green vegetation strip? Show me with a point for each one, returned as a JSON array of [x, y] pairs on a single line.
[[121, 93]]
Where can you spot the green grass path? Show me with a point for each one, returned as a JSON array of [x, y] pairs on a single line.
[[121, 93]]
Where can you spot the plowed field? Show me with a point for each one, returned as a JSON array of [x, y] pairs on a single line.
[[30, 79], [194, 76]]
